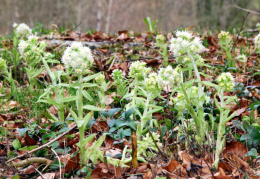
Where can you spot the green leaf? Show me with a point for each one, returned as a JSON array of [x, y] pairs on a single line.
[[52, 61], [88, 78], [86, 95], [16, 177], [74, 115], [16, 144], [69, 99], [111, 112], [127, 132], [252, 153], [203, 74], [207, 83], [37, 72], [92, 108]]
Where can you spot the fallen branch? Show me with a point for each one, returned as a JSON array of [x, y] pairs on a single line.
[[45, 145], [29, 161]]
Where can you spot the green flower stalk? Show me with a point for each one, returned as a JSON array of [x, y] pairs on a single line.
[[160, 42], [103, 85], [20, 31], [226, 83], [120, 82], [186, 48], [8, 75], [225, 42]]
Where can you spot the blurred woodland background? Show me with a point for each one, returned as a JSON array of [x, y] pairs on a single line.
[[114, 15]]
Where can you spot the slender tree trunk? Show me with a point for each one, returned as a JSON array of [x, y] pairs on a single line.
[[99, 14], [110, 2], [79, 15]]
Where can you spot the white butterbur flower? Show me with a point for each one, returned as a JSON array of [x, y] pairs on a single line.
[[224, 38], [257, 41], [226, 81], [168, 76], [138, 70], [152, 82], [118, 75], [100, 78], [22, 46], [184, 34], [77, 57], [22, 29], [242, 58], [32, 38], [185, 43]]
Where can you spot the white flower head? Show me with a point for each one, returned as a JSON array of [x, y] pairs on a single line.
[[77, 57], [152, 82], [2, 64], [22, 46], [184, 34], [257, 41], [118, 75], [242, 58], [185, 43], [22, 29], [168, 76], [226, 81], [100, 78], [138, 70]]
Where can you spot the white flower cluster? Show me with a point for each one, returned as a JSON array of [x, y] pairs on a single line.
[[77, 57], [152, 82], [224, 38], [242, 58], [22, 46], [22, 29], [138, 70], [99, 79], [257, 41], [168, 76], [31, 46], [226, 81], [2, 64], [177, 98], [185, 43], [118, 75]]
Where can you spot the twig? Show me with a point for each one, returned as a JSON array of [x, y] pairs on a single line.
[[58, 160], [250, 11], [244, 19], [28, 161], [39, 172], [45, 145], [160, 152]]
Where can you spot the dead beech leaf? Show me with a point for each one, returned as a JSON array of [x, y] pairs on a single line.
[[70, 163], [236, 148], [240, 111], [53, 110], [174, 167], [30, 169], [47, 175], [148, 175], [122, 35], [109, 100], [11, 105], [29, 141]]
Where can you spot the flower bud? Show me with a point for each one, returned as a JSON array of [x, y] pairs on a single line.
[[226, 81]]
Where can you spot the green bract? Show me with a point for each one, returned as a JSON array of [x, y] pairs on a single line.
[[226, 81]]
